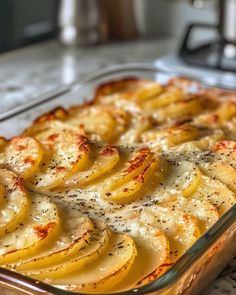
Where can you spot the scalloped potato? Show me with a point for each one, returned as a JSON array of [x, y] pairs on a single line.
[[107, 196]]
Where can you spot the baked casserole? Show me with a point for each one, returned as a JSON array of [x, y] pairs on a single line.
[[108, 195]]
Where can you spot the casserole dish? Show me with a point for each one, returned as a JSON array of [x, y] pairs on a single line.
[[188, 275]]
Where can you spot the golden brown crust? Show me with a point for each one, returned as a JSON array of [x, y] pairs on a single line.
[[116, 85], [58, 113]]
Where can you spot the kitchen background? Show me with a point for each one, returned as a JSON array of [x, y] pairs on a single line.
[[83, 36], [72, 38], [26, 21]]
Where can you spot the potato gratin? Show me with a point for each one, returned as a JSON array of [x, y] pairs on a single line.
[[109, 195]]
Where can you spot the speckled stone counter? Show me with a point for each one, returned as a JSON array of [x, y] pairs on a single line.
[[29, 73]]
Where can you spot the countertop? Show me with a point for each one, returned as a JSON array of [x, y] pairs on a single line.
[[28, 73], [33, 71]]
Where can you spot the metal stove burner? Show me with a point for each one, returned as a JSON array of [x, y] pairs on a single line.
[[216, 54], [213, 77]]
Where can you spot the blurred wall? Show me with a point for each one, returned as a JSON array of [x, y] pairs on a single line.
[[158, 18], [24, 22]]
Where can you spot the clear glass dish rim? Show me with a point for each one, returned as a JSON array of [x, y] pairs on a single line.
[[174, 274], [97, 74]]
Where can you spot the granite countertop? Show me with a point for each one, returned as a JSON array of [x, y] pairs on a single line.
[[28, 73]]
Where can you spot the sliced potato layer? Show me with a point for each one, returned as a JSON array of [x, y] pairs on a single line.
[[170, 137], [99, 123], [16, 201], [65, 152], [204, 211], [129, 191], [2, 194], [131, 169], [107, 271], [162, 100], [215, 192], [95, 245], [180, 228], [38, 228], [74, 234], [124, 185], [177, 177], [106, 160], [151, 243], [22, 155]]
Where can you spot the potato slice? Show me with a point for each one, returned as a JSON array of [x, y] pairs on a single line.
[[38, 228], [3, 143], [162, 100], [2, 194], [138, 125], [205, 212], [44, 125], [178, 177], [150, 242], [219, 117], [96, 244], [180, 228], [166, 138], [131, 169], [127, 86], [136, 90], [22, 155], [98, 123], [145, 91], [76, 230], [129, 191], [16, 202], [225, 152], [107, 271], [223, 172], [208, 141], [143, 98], [215, 191], [107, 158], [222, 163], [204, 143], [180, 110], [66, 153], [153, 245]]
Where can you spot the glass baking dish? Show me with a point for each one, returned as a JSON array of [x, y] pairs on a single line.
[[196, 268]]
